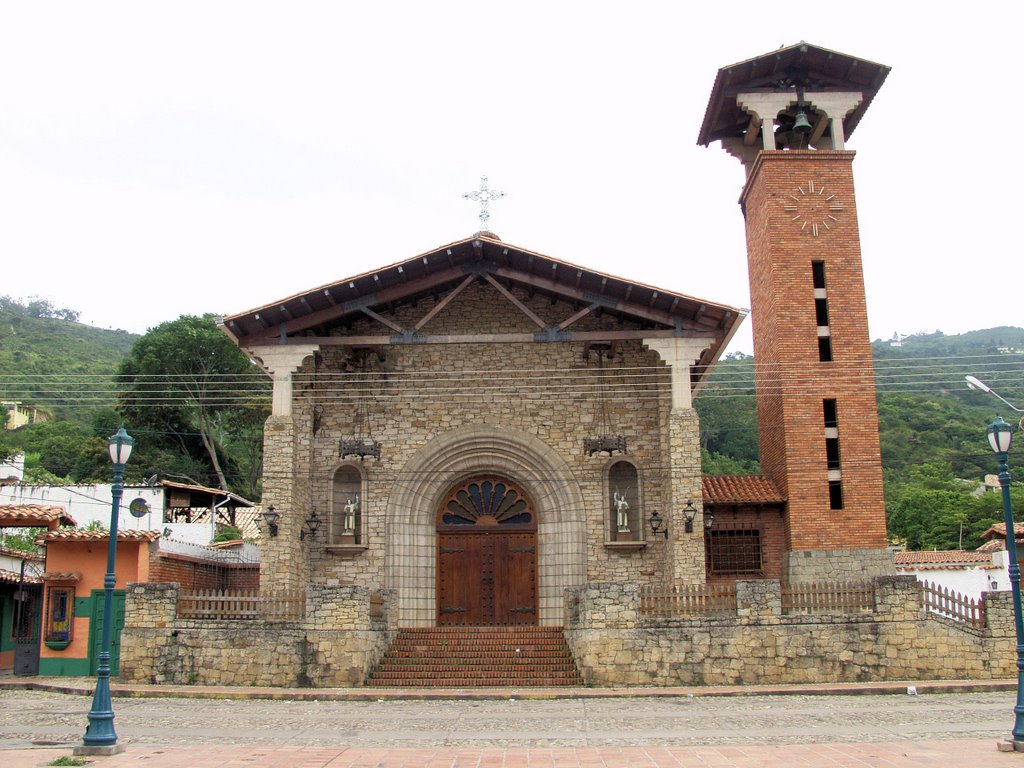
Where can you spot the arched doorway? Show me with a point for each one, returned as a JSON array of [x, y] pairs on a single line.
[[486, 555]]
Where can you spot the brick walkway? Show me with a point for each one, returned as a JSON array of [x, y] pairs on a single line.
[[965, 753]]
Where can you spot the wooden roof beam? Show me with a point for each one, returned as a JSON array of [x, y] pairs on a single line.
[[582, 313], [483, 338], [567, 291], [444, 302], [515, 302], [374, 299], [381, 319]]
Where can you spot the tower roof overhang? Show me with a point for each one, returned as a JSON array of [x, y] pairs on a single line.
[[314, 316], [814, 68]]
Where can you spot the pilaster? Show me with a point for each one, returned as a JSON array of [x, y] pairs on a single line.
[[281, 361], [684, 485]]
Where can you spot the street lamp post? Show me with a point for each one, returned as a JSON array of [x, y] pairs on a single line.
[[100, 738], [1000, 435]]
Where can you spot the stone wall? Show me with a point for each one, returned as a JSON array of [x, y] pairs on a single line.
[[342, 636], [616, 644], [550, 397]]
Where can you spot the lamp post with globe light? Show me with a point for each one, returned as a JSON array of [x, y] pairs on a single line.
[[100, 737], [1000, 436]]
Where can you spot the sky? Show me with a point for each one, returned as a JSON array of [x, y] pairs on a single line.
[[160, 159]]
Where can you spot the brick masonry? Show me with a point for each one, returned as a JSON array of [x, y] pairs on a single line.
[[193, 573], [791, 380]]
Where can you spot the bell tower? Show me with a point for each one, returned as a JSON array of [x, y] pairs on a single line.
[[786, 116]]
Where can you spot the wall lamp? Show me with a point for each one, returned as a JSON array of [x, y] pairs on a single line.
[[271, 517], [689, 512], [656, 524], [311, 526]]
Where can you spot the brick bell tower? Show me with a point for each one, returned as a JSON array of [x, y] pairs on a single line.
[[786, 116]]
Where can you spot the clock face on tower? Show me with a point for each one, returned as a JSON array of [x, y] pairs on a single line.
[[813, 209]]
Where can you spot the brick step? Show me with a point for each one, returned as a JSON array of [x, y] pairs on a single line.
[[460, 671], [475, 648], [477, 656], [467, 683], [407, 665], [478, 659]]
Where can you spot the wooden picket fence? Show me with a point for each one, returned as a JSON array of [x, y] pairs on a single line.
[[943, 601], [688, 600], [828, 597], [245, 605]]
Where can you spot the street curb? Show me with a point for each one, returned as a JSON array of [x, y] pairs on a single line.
[[491, 694]]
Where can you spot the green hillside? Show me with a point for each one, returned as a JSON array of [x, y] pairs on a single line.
[[49, 360], [932, 428], [934, 452]]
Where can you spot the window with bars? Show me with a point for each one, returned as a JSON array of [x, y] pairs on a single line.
[[733, 553]]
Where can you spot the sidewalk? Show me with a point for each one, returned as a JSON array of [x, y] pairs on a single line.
[[963, 753], [84, 686]]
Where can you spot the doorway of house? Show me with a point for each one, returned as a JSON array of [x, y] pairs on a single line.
[[486, 555]]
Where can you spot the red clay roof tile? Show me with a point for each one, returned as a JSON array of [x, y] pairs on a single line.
[[740, 489]]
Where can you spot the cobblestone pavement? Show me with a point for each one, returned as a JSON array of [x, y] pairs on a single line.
[[796, 730]]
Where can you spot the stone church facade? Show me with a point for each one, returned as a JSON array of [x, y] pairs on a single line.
[[485, 436], [488, 373]]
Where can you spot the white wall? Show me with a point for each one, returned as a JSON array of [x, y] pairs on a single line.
[[86, 503], [969, 582], [13, 467]]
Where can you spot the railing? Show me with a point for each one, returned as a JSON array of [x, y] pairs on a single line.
[[828, 597], [246, 605], [945, 602], [688, 600]]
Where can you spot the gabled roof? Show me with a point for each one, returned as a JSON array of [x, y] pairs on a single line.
[[11, 577], [33, 516], [740, 489], [816, 69], [74, 534], [942, 559], [203, 491], [315, 312], [998, 531]]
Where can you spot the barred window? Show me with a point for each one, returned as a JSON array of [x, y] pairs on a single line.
[[733, 553]]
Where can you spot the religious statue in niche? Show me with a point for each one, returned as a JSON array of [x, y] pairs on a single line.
[[621, 512], [351, 507]]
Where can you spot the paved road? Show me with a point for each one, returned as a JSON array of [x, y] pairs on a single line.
[[34, 716]]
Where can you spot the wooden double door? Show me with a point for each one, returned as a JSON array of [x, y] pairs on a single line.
[[486, 555]]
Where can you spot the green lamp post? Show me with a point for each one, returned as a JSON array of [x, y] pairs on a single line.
[[1000, 435], [100, 737]]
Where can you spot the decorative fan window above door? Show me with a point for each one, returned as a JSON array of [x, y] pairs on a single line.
[[487, 502]]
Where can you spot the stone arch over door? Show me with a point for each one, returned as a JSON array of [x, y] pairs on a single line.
[[422, 483]]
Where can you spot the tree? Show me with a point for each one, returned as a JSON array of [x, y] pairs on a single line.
[[184, 379]]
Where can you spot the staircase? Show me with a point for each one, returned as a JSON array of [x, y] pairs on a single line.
[[462, 657]]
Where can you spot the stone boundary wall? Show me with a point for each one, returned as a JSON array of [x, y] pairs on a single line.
[[340, 640], [615, 644]]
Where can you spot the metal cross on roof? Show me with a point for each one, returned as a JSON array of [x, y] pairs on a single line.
[[484, 196]]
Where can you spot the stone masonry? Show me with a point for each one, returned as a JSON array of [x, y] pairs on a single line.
[[615, 643]]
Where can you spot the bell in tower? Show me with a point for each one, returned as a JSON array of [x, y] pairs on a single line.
[[787, 115]]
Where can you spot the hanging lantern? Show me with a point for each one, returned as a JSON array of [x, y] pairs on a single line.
[[604, 441], [361, 445]]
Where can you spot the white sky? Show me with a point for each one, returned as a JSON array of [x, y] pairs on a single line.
[[158, 159]]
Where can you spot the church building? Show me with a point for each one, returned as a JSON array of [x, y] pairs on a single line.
[[483, 436], [481, 427]]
